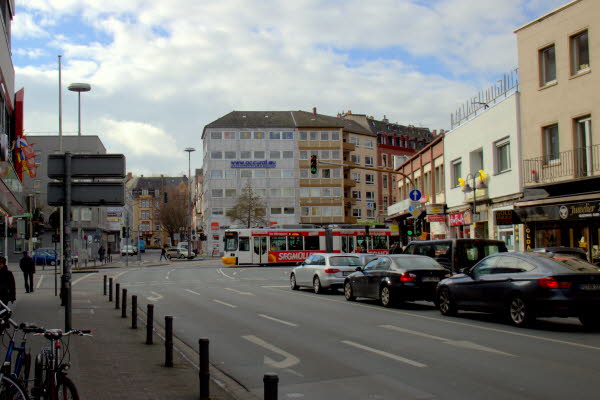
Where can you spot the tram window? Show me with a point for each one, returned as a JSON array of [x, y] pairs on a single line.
[[345, 244], [231, 243], [244, 243], [311, 243], [361, 244], [379, 242], [295, 243], [278, 243]]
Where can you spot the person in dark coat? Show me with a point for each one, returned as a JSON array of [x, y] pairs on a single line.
[[7, 283], [101, 252], [163, 253], [27, 265]]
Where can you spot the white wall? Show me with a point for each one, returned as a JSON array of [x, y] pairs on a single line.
[[498, 122]]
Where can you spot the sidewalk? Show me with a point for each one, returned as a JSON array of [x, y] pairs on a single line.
[[115, 363]]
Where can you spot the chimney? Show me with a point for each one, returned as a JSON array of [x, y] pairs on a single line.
[[434, 132], [339, 115], [314, 110], [349, 112], [385, 119]]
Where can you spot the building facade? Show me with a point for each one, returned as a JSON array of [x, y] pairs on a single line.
[[561, 150]]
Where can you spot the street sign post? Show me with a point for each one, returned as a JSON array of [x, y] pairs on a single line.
[[88, 194], [415, 195]]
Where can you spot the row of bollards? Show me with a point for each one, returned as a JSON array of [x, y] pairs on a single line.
[[270, 380]]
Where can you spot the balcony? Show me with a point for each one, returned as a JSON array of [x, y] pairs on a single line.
[[349, 183], [566, 165], [320, 201], [348, 146], [349, 201], [317, 144], [319, 182]]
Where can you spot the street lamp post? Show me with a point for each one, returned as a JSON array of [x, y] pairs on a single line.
[[481, 175], [189, 150], [79, 87]]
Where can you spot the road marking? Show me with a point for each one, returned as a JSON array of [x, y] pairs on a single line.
[[156, 297], [277, 320], [457, 343], [448, 321], [239, 292], [169, 273], [220, 270], [225, 304], [385, 354], [119, 274], [191, 291], [288, 361], [276, 286], [82, 278], [39, 284]]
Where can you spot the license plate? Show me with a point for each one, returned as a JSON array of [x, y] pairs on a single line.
[[430, 279], [589, 286]]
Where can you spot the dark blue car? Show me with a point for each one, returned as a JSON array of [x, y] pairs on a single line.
[[44, 257], [524, 286]]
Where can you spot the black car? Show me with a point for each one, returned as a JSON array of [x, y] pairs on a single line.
[[456, 254], [395, 278], [571, 251], [524, 286]]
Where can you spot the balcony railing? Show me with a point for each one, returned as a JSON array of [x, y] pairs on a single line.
[[571, 164], [348, 146]]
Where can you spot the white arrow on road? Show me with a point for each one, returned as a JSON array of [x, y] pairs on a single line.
[[156, 296], [288, 361]]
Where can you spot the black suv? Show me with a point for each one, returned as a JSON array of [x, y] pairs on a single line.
[[456, 254]]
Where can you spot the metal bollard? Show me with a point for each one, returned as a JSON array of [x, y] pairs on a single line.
[[117, 294], [104, 285], [204, 373], [110, 289], [149, 323], [124, 304], [134, 312], [168, 341], [270, 381]]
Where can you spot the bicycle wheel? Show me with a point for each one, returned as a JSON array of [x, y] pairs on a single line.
[[66, 389], [25, 369], [12, 390], [38, 378]]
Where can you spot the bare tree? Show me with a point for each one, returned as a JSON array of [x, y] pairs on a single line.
[[173, 213], [249, 209]]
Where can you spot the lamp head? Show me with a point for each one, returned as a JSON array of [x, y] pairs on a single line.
[[80, 87]]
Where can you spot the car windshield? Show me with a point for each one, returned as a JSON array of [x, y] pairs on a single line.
[[407, 262], [575, 264], [344, 260]]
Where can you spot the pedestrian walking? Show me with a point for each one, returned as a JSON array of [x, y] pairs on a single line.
[[101, 252], [163, 253], [108, 255], [7, 283], [27, 265]]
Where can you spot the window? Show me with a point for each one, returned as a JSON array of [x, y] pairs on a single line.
[[368, 161], [304, 155], [216, 174], [580, 53], [230, 155], [427, 183], [357, 212], [145, 203], [288, 154], [274, 155], [230, 192], [259, 155], [217, 193], [355, 158], [502, 156], [276, 211], [260, 192], [551, 153], [276, 192], [287, 135], [325, 135], [335, 135], [145, 214], [295, 243], [456, 172], [217, 211], [355, 140], [86, 214], [216, 155], [325, 173], [259, 173], [370, 213], [288, 192], [370, 179], [314, 136], [384, 159], [303, 173], [324, 154], [303, 135], [336, 173], [547, 65], [229, 174], [439, 178], [289, 210], [356, 176], [229, 135], [215, 135], [144, 192], [385, 202], [274, 135], [288, 173], [368, 144], [245, 135], [246, 173], [304, 192], [370, 196], [356, 194], [335, 155], [157, 227], [259, 135], [245, 155]]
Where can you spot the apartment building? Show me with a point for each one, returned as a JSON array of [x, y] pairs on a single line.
[[561, 150]]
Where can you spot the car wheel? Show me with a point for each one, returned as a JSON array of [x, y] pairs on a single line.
[[385, 296], [519, 312], [348, 293], [590, 320], [168, 257], [446, 304], [293, 284], [317, 285]]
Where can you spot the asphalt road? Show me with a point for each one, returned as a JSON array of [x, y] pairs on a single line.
[[324, 347]]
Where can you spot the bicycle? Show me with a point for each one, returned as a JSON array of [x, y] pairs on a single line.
[[50, 381], [11, 386]]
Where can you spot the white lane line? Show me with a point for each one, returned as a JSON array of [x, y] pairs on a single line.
[[385, 354], [169, 273], [220, 270], [277, 320], [457, 343], [82, 278], [276, 286], [450, 321], [239, 292], [288, 361], [39, 284], [156, 297], [191, 291], [225, 304]]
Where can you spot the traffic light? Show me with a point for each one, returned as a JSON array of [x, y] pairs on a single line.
[[38, 227], [125, 232], [313, 164], [410, 227], [418, 227]]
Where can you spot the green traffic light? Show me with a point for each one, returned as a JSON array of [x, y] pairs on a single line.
[[409, 233], [313, 171]]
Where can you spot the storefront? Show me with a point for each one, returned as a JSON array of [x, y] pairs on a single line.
[[460, 224], [505, 228]]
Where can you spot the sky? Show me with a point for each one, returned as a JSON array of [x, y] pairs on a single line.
[[162, 70]]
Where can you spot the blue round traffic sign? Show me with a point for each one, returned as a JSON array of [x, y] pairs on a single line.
[[415, 195]]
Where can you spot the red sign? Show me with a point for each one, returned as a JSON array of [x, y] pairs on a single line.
[[457, 219], [436, 218], [214, 226]]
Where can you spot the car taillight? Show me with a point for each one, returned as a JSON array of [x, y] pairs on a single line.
[[331, 270], [551, 283], [408, 277]]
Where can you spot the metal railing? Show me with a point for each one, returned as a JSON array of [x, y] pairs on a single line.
[[577, 163]]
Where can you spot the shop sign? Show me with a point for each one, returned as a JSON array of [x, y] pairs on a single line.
[[468, 217], [504, 217], [435, 209], [560, 212], [457, 219], [253, 164], [528, 238], [436, 218], [214, 226]]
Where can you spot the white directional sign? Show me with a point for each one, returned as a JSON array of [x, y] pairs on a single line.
[[415, 195]]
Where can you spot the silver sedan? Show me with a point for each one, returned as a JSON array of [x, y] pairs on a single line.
[[323, 271]]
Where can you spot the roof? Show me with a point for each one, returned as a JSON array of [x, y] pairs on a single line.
[[158, 182], [379, 127], [543, 17], [306, 119]]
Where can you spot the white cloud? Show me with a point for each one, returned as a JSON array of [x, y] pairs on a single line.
[[24, 26], [31, 53]]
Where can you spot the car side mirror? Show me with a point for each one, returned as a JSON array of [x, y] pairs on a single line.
[[359, 268]]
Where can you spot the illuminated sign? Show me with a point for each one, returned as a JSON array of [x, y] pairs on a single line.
[[253, 164]]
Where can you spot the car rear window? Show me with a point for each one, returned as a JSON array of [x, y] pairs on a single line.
[[416, 263], [344, 260], [574, 264]]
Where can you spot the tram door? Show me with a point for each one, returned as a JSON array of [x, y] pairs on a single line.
[[260, 253]]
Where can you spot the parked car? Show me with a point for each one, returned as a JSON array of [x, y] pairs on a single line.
[[44, 257], [178, 252], [323, 271], [524, 286], [456, 254], [395, 278], [129, 249], [571, 251]]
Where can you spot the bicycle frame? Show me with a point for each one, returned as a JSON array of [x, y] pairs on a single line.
[[20, 356]]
